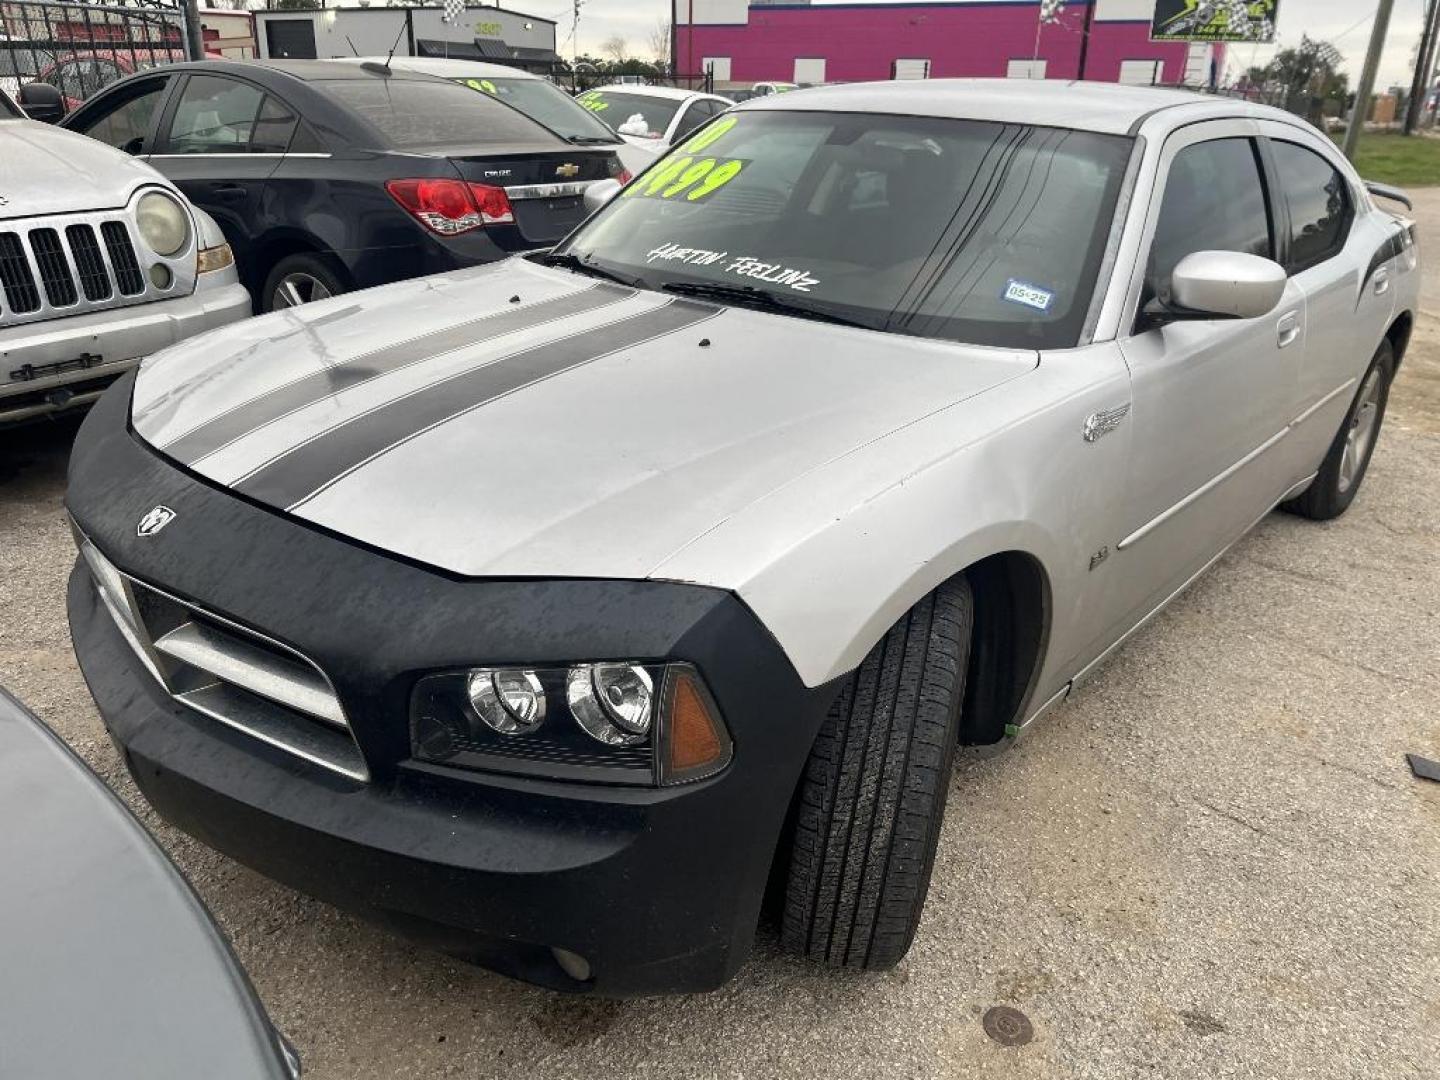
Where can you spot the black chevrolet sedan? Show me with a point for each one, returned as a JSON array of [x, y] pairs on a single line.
[[329, 176]]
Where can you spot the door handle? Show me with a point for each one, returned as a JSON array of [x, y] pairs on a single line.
[[227, 191], [1288, 328], [1382, 280]]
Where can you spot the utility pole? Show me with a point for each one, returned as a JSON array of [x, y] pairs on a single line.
[[1085, 38], [194, 39], [1367, 78], [1424, 60]]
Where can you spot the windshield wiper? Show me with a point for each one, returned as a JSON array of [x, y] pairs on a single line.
[[592, 140], [580, 265], [763, 299]]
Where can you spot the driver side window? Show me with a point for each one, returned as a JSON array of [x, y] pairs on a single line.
[[1214, 201], [127, 125]]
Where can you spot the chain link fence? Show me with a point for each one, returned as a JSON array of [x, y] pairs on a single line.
[[80, 48]]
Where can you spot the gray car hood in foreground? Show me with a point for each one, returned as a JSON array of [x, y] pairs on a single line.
[[48, 170], [524, 421], [109, 965]]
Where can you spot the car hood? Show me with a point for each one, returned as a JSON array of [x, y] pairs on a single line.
[[519, 420], [99, 924], [47, 170]]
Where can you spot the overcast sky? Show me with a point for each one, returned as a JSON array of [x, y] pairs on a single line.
[[1344, 22]]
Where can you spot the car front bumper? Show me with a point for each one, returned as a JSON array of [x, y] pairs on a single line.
[[658, 889], [60, 364]]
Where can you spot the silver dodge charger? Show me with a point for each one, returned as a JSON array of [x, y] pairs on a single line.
[[556, 613]]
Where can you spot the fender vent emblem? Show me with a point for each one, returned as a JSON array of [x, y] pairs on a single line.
[[155, 519], [1103, 422]]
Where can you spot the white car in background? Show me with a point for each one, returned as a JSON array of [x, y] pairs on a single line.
[[651, 119]]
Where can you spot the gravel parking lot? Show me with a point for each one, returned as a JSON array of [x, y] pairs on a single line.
[[1214, 862]]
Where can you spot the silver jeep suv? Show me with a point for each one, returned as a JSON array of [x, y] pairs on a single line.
[[102, 262]]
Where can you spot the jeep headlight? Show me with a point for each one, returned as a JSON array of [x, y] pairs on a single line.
[[163, 223], [612, 722]]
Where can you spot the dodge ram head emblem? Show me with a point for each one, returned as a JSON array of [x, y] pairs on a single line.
[[155, 519], [567, 170]]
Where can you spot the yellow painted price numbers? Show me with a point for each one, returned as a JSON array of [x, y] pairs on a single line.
[[688, 176]]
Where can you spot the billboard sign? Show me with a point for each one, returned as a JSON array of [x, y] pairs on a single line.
[[1214, 20]]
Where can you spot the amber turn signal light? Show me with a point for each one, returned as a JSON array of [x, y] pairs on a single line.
[[695, 743]]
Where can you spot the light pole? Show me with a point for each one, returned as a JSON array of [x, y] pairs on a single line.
[[1367, 78]]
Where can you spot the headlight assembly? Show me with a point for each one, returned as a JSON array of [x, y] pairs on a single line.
[[609, 722], [163, 224]]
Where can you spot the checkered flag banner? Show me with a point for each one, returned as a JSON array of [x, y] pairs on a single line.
[[453, 10], [1051, 10]]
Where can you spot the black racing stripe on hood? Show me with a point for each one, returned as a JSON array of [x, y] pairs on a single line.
[[250, 416], [300, 474]]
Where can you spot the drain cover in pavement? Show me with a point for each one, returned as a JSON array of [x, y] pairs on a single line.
[[1007, 1026]]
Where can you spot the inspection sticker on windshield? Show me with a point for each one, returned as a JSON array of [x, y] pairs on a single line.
[[1022, 292]]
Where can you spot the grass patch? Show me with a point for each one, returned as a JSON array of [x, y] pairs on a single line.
[[1412, 161]]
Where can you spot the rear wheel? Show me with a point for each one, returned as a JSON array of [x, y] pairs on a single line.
[[873, 795], [1344, 467], [299, 279]]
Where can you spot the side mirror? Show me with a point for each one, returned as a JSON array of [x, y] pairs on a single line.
[[1220, 285], [600, 193], [42, 102]]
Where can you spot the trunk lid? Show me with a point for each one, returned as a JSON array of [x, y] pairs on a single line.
[[546, 189]]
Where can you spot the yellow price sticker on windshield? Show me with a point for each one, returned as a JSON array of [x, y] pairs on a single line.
[[686, 177], [485, 86], [710, 135], [592, 101]]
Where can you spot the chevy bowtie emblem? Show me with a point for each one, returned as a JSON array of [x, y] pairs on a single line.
[[568, 169], [155, 519]]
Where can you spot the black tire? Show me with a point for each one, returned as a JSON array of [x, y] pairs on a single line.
[[304, 272], [870, 805], [1336, 484]]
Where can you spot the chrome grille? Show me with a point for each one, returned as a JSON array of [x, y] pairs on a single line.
[[21, 295], [122, 258], [61, 265], [229, 673], [89, 263], [54, 270]]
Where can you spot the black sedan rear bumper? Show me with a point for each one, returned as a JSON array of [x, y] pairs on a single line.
[[657, 889]]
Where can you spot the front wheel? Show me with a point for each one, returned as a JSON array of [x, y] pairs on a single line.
[[1345, 465], [873, 794]]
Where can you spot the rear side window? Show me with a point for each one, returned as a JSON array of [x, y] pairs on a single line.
[[1319, 203], [273, 128], [1214, 201], [215, 116], [434, 113]]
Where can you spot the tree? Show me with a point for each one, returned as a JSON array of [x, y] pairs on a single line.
[[1305, 77], [659, 41], [294, 5], [615, 47]]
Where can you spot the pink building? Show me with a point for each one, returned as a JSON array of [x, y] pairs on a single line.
[[744, 42]]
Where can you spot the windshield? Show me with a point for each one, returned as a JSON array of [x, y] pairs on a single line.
[[631, 114], [979, 232], [546, 104]]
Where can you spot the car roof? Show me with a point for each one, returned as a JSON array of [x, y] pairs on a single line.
[[1086, 106], [447, 68], [304, 70], [642, 90]]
